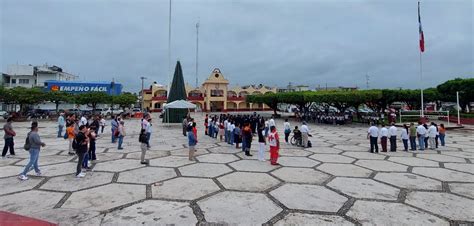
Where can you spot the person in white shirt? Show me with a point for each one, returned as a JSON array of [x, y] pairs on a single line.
[[226, 135], [304, 134], [102, 124], [287, 129], [405, 137], [421, 132], [432, 135], [271, 122], [230, 128], [392, 133], [373, 135], [83, 121], [383, 137]]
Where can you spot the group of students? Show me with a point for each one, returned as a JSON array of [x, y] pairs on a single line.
[[428, 136], [241, 129]]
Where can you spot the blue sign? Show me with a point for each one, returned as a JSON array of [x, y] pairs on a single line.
[[73, 87]]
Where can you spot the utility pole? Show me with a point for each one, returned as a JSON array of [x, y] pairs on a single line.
[[142, 95], [197, 52], [169, 51], [367, 79]]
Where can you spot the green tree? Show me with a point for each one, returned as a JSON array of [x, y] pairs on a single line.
[[24, 96], [58, 97], [92, 99], [465, 87], [125, 100]]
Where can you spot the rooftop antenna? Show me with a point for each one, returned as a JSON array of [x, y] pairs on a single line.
[[197, 51], [367, 79]]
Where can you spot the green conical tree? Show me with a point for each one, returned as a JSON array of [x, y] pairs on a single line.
[[177, 92]]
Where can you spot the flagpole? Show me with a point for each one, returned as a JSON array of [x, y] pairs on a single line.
[[421, 86]]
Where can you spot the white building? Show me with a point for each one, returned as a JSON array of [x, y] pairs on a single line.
[[33, 76]]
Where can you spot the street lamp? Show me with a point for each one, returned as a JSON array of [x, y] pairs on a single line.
[[143, 97]]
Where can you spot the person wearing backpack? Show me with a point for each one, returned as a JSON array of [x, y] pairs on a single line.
[[143, 139], [80, 145], [33, 145]]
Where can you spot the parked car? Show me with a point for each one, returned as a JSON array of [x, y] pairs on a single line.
[[136, 110], [4, 114], [110, 111]]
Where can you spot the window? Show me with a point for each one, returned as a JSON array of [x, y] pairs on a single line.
[[23, 81], [14, 81], [217, 93]]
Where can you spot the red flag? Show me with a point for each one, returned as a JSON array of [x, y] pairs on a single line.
[[422, 37]]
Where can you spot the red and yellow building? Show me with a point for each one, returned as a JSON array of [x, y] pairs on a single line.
[[213, 95]]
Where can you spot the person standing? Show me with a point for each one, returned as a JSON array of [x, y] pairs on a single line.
[[114, 126], [184, 125], [442, 133], [226, 135], [8, 137], [393, 137], [206, 124], [92, 139], [237, 135], [412, 137], [405, 137], [231, 133], [83, 121], [70, 136], [274, 142], [421, 133], [426, 135], [192, 141], [383, 137], [102, 124], [304, 134], [373, 135], [121, 135], [432, 135], [247, 135], [34, 142], [143, 145], [80, 145], [261, 143], [61, 123], [287, 129], [221, 130]]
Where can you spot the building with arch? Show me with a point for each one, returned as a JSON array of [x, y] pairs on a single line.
[[213, 95]]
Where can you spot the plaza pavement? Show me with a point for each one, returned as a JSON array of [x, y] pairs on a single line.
[[335, 182]]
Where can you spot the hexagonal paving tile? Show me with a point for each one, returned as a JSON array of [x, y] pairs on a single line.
[[149, 154], [47, 160], [146, 175], [184, 188], [441, 158], [185, 152], [225, 149], [294, 152], [153, 212], [204, 170], [27, 202], [364, 155], [409, 181], [57, 169], [312, 219], [71, 183], [252, 165], [444, 174], [171, 161], [118, 165], [460, 154], [8, 171], [245, 181], [324, 150], [12, 184], [309, 197], [217, 158], [297, 161], [381, 165], [301, 175], [332, 158], [466, 189], [239, 208], [351, 147], [342, 169], [105, 197], [465, 167], [448, 205], [411, 161], [8, 161], [62, 216], [103, 157], [364, 188], [385, 213]]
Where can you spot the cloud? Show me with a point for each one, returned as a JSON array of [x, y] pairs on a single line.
[[271, 42]]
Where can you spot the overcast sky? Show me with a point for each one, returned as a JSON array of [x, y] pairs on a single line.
[[312, 42]]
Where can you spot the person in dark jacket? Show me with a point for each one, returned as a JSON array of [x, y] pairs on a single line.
[[261, 142], [81, 142]]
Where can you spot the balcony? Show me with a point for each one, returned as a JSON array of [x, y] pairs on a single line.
[[235, 98], [159, 98], [195, 98]]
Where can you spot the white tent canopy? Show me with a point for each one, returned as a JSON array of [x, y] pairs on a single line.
[[179, 104]]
